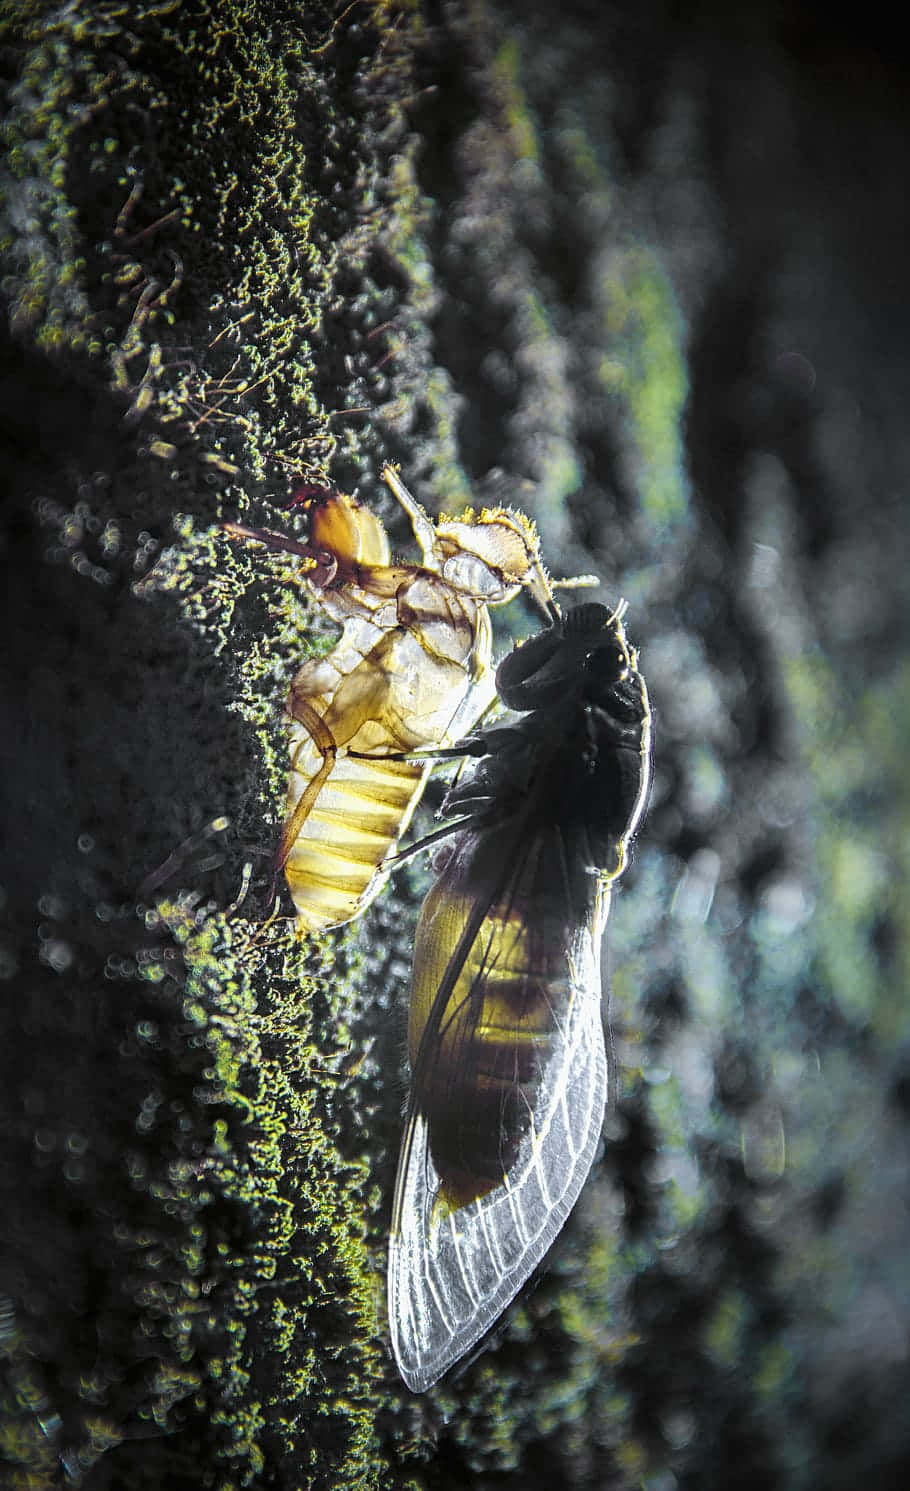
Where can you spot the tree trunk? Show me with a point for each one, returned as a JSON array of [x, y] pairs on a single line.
[[642, 275]]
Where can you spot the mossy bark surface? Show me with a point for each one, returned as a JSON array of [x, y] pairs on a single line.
[[643, 279]]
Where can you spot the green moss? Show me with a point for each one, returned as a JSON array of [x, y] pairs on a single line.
[[229, 226], [183, 271], [507, 72], [308, 1278], [724, 1331], [859, 864], [645, 371]]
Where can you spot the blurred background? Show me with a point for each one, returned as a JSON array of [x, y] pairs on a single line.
[[641, 272]]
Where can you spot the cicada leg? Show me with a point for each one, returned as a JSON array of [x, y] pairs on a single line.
[[245, 881], [179, 856], [324, 562], [423, 528]]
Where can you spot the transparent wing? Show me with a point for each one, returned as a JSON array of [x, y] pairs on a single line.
[[453, 1268]]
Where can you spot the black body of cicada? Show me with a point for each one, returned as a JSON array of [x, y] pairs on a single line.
[[509, 1073]]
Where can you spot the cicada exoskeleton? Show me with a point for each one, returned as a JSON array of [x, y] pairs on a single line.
[[411, 671], [509, 1072]]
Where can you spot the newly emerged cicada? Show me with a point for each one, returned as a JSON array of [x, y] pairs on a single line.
[[411, 672], [509, 1073]]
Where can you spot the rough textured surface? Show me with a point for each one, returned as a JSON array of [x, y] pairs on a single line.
[[643, 274]]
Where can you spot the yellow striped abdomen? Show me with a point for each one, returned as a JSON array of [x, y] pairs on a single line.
[[333, 868]]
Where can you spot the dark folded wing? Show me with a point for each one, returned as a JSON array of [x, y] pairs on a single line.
[[457, 1260]]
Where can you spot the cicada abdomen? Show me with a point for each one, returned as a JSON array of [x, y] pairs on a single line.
[[410, 672], [509, 1072]]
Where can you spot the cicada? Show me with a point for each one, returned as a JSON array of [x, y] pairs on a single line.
[[411, 671], [506, 1044]]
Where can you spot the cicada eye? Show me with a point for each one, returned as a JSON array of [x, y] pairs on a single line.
[[609, 657], [621, 662], [606, 658]]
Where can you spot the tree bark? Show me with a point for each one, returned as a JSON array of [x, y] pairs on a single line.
[[642, 275]]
